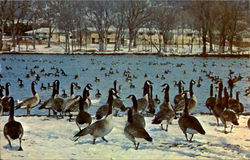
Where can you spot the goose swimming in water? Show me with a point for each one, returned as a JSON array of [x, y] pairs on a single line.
[[13, 129], [132, 131], [31, 102], [189, 124], [102, 127]]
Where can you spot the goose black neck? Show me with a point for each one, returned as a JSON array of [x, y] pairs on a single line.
[[54, 90], [220, 90], [145, 89], [115, 86], [191, 89], [179, 87], [237, 96], [72, 89], [130, 115], [226, 98], [57, 87], [135, 105], [110, 103], [81, 102], [151, 92], [7, 93], [231, 92], [33, 88], [166, 95], [211, 90], [186, 105], [11, 117], [1, 91]]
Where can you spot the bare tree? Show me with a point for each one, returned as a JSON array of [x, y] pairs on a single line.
[[3, 19], [100, 16], [234, 25], [164, 20], [136, 13]]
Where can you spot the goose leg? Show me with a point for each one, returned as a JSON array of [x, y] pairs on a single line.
[[137, 146], [217, 121], [49, 113], [166, 128], [231, 128], [104, 139], [162, 127], [186, 136], [191, 138], [78, 126], [8, 141], [20, 148]]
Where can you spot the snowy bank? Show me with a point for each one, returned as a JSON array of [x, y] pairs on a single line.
[[49, 138]]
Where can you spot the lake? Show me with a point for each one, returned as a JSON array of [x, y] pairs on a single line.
[[108, 68]]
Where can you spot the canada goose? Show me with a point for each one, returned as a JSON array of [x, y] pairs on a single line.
[[189, 124], [13, 129], [166, 112], [210, 102], [50, 102], [133, 131], [102, 127], [74, 107], [179, 97], [42, 87], [157, 100], [143, 102], [71, 99], [117, 103], [5, 99], [98, 94], [218, 108], [192, 101], [31, 102], [59, 104], [83, 118], [64, 94], [137, 117], [228, 115], [236, 105], [20, 83]]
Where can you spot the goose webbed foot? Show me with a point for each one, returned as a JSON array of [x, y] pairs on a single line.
[[104, 139], [20, 149], [191, 138], [93, 141]]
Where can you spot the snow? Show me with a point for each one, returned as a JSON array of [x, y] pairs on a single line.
[[49, 138], [171, 50]]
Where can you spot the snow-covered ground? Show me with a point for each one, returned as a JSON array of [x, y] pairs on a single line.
[[171, 50], [49, 138]]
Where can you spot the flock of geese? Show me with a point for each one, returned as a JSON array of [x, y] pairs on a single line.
[[225, 108]]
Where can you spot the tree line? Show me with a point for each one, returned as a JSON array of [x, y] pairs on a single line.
[[217, 22]]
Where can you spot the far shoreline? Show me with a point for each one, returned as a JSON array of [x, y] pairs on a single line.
[[134, 53]]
